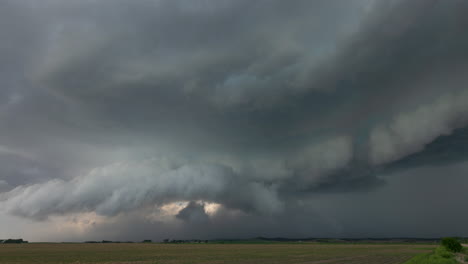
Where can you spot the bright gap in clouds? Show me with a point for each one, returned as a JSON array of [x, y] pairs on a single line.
[[172, 209]]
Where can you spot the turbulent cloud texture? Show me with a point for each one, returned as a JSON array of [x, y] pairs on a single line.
[[230, 118]]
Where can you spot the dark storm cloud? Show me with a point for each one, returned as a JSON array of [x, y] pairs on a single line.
[[193, 212], [444, 150], [174, 48], [264, 107]]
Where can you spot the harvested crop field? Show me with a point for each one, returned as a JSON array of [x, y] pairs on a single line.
[[304, 253]]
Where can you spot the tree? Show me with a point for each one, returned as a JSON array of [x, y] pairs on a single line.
[[451, 244]]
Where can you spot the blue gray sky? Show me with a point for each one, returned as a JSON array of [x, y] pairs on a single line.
[[153, 119]]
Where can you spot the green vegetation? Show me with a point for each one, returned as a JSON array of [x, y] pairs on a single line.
[[167, 253], [452, 244], [431, 259], [443, 252], [440, 256]]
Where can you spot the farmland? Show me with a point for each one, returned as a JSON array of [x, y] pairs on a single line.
[[304, 253]]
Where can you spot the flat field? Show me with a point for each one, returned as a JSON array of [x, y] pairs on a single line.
[[287, 253]]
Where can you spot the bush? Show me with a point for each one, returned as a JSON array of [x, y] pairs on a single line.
[[452, 244], [443, 252]]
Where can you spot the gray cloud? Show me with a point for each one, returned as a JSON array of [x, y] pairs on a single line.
[[444, 150], [193, 212], [4, 186], [193, 52], [112, 110], [409, 132], [122, 187]]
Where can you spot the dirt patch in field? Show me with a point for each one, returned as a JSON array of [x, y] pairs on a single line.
[[461, 257]]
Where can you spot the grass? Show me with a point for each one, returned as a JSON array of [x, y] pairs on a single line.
[[287, 253], [439, 256]]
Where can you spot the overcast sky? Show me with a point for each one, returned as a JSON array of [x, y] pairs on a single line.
[[153, 119]]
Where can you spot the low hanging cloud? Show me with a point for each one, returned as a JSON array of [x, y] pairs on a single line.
[[193, 212], [119, 187], [408, 133], [123, 187]]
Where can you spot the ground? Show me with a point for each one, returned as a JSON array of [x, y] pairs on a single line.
[[463, 256], [287, 253]]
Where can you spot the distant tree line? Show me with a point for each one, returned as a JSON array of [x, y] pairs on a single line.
[[109, 241], [175, 241], [12, 241]]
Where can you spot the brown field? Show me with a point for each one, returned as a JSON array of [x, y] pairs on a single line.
[[304, 253]]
